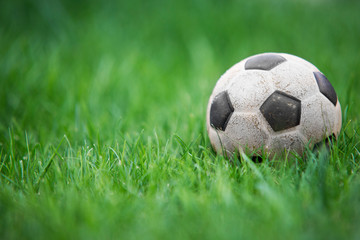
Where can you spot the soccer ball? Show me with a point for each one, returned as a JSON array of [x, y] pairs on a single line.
[[274, 103]]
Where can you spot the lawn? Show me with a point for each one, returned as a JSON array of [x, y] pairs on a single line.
[[102, 121]]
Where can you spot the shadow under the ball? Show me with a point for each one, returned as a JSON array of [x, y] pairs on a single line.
[[257, 159], [321, 149], [324, 145], [260, 156]]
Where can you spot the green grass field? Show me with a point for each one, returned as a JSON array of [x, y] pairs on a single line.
[[102, 121]]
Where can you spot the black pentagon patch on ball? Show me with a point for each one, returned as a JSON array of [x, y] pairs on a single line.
[[281, 111], [221, 111], [325, 87], [264, 62]]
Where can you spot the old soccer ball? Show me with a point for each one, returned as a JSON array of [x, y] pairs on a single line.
[[272, 103]]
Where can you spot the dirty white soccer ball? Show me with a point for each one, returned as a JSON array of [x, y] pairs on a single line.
[[272, 102]]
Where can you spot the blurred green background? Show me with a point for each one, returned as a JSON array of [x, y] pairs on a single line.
[[138, 74]]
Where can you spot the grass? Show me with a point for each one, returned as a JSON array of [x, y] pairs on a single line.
[[102, 121]]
